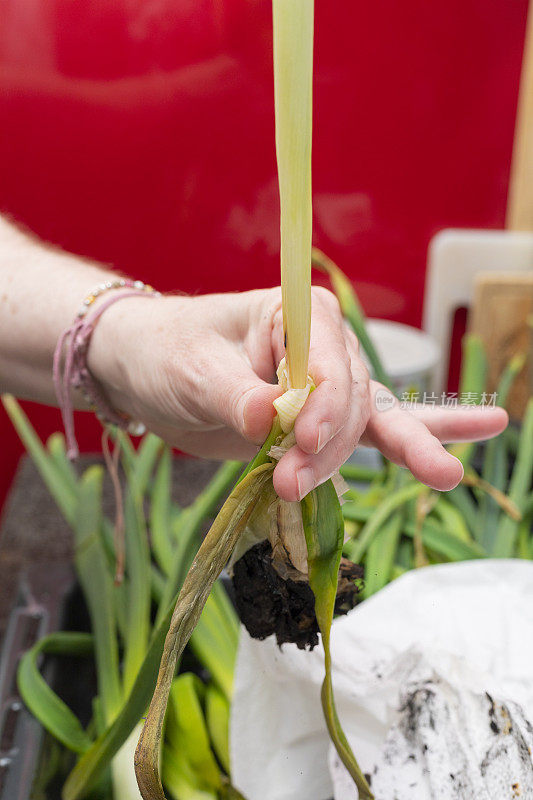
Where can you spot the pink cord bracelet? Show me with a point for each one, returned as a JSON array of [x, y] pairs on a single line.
[[76, 374]]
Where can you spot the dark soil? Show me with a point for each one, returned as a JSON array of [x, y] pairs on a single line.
[[269, 604]]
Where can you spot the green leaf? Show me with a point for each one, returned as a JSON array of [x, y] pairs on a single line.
[[381, 554], [180, 778], [438, 540], [209, 562], [149, 450], [293, 100], [186, 730], [214, 640], [226, 613], [54, 478], [474, 380], [524, 538], [451, 518], [97, 584], [358, 473], [356, 512], [353, 312], [495, 464], [461, 498], [229, 792], [42, 701], [186, 529], [58, 453], [160, 511], [355, 549], [217, 714], [519, 487], [137, 587], [324, 533], [93, 764], [189, 524]]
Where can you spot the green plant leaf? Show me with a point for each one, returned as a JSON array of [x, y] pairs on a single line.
[[355, 549], [95, 761], [209, 562], [359, 473], [451, 518], [381, 554], [463, 501], [180, 778], [149, 450], [519, 487], [160, 511], [42, 701], [438, 540], [495, 463], [97, 584], [54, 478], [186, 730], [324, 533], [189, 524], [214, 641], [217, 714], [293, 100], [137, 588], [473, 380], [353, 312], [58, 453]]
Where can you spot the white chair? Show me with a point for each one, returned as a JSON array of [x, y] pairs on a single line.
[[454, 259]]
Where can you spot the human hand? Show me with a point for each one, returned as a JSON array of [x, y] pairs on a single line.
[[200, 372]]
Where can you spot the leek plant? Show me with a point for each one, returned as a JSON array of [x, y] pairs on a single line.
[[394, 522], [127, 635], [317, 521], [397, 524]]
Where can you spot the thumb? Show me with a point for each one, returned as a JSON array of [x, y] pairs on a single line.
[[243, 401]]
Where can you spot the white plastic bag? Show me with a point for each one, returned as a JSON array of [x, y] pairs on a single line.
[[460, 629]]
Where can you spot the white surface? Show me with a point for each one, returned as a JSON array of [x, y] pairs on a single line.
[[470, 623], [454, 259], [452, 739], [408, 354]]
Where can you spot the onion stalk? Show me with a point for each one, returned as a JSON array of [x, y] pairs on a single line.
[[293, 22]]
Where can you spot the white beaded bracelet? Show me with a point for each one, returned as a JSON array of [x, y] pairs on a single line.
[[118, 283]]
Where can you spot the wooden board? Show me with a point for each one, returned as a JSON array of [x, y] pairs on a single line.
[[502, 316]]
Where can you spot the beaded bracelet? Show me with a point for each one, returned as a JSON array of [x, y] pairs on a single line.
[[118, 283], [75, 372]]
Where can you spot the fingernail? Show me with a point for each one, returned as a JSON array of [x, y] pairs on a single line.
[[462, 467], [305, 480], [325, 432]]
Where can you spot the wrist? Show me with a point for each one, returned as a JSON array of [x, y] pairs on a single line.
[[122, 352]]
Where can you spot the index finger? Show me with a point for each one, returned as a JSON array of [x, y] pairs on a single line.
[[327, 408]]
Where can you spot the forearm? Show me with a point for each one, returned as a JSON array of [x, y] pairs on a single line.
[[41, 291]]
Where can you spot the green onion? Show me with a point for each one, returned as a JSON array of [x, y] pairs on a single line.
[[324, 535], [293, 91]]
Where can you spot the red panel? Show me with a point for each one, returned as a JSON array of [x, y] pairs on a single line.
[[141, 134]]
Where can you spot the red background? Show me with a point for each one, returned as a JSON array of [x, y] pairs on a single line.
[[142, 134]]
